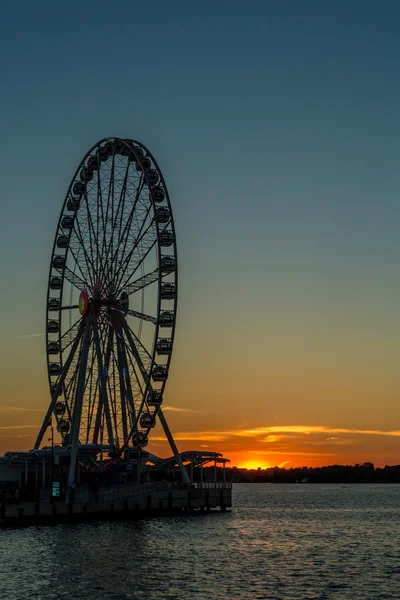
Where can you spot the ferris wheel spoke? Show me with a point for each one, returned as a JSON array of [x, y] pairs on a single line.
[[90, 401], [142, 316], [69, 336], [145, 355], [139, 239], [85, 276], [135, 352], [139, 262], [74, 279], [93, 236], [139, 410], [123, 261], [120, 211], [142, 282], [126, 381], [84, 264], [89, 263], [137, 380], [142, 247], [117, 258], [105, 245], [102, 373]]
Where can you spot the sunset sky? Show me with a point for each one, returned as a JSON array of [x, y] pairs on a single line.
[[277, 127]]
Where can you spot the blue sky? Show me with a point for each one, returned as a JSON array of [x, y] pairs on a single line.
[[276, 125]]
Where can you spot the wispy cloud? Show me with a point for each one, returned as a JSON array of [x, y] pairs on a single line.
[[270, 439], [285, 462], [3, 427], [290, 453], [178, 409], [194, 436], [29, 335], [309, 429], [278, 431], [7, 407]]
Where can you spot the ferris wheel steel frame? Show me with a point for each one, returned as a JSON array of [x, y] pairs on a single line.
[[115, 245]]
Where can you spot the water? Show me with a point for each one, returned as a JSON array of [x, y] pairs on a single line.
[[279, 542]]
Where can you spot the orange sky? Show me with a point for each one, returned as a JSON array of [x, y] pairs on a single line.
[[278, 444], [301, 416]]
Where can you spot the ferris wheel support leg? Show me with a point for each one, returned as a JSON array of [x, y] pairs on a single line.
[[58, 388], [100, 407], [122, 351], [102, 370], [79, 400], [174, 448], [122, 387]]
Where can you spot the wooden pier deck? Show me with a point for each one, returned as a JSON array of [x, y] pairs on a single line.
[[134, 501]]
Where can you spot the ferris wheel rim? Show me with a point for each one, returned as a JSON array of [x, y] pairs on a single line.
[[132, 146]]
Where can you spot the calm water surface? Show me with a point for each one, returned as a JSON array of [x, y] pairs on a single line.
[[279, 542]]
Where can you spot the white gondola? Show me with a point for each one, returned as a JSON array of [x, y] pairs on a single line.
[[93, 164], [54, 303], [163, 215], [160, 373], [167, 318], [158, 194], [73, 204], [79, 188], [168, 264], [147, 421], [53, 348], [53, 326], [168, 291], [67, 222], [54, 368], [154, 398], [59, 408], [62, 241], [63, 426], [164, 346], [141, 439], [58, 261], [145, 163], [167, 238], [53, 390], [152, 177], [55, 283]]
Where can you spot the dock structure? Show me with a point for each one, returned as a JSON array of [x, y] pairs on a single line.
[[131, 501], [34, 488]]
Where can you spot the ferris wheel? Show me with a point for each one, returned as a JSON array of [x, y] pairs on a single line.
[[111, 300]]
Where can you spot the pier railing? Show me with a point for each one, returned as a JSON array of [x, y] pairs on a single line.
[[120, 492], [213, 485]]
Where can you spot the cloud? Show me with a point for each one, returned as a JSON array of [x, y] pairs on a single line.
[[29, 335], [190, 436], [285, 462], [277, 430], [178, 409], [19, 427], [309, 429], [270, 439], [287, 452], [6, 407]]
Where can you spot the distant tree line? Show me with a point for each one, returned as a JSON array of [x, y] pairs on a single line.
[[359, 473]]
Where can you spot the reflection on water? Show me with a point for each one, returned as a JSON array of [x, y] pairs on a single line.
[[279, 542]]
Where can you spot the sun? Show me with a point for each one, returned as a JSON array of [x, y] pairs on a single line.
[[253, 464]]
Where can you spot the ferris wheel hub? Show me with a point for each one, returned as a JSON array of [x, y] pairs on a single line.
[[83, 302]]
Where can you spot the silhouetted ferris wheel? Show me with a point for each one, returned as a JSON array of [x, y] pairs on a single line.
[[111, 301]]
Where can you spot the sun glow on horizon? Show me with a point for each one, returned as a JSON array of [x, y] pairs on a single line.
[[253, 464]]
